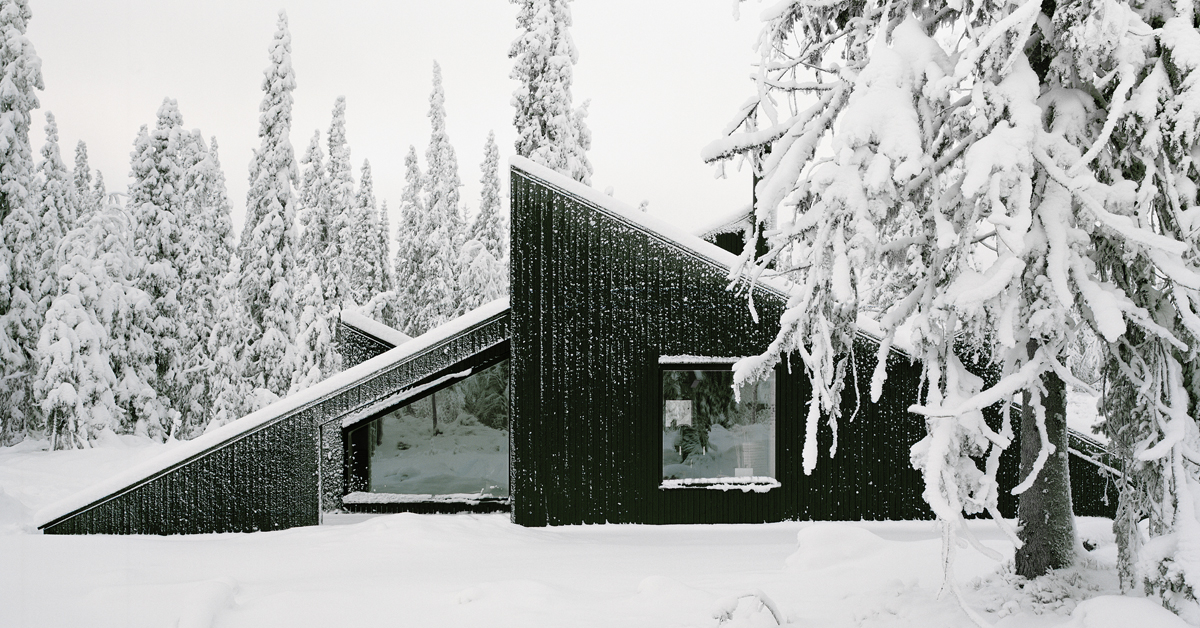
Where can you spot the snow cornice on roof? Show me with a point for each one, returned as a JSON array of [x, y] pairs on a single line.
[[733, 222], [186, 451], [373, 328]]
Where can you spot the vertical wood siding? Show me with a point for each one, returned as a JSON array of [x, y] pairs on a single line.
[[595, 301]]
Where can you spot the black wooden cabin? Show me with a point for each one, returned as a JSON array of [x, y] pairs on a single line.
[[609, 312]]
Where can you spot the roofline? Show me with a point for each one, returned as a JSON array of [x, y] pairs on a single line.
[[234, 431]]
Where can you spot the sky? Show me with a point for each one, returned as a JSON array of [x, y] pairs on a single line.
[[663, 77]]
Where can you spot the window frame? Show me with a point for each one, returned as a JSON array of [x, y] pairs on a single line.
[[758, 484]]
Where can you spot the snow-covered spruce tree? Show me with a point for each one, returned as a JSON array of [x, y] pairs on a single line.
[[316, 236], [360, 241], [409, 250], [962, 184], [269, 243], [99, 192], [156, 204], [436, 298], [19, 319], [316, 353], [1152, 57], [316, 316], [232, 392], [123, 310], [57, 208], [383, 248], [207, 245], [75, 383], [549, 131], [483, 261], [490, 225], [81, 176], [341, 206]]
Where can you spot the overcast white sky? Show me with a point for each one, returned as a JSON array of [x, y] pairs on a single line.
[[664, 76]]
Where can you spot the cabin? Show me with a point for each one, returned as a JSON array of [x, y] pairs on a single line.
[[600, 391]]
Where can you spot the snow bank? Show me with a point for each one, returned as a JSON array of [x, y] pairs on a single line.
[[284, 407], [1119, 611], [824, 545], [372, 327]]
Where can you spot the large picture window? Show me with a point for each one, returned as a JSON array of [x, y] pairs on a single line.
[[453, 442], [711, 437]]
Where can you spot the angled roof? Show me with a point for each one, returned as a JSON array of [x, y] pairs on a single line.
[[288, 407]]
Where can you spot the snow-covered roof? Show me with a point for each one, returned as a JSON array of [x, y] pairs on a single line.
[[278, 410], [374, 328], [733, 222], [664, 231], [712, 253]]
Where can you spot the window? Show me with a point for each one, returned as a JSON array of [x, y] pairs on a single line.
[[452, 442], [711, 438]]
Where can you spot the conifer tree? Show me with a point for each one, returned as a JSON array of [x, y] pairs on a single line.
[[316, 353], [314, 214], [490, 226], [360, 242], [82, 178], [409, 249], [123, 310], [206, 248], [383, 262], [99, 193], [1059, 136], [76, 383], [269, 241], [21, 71], [549, 131], [156, 204], [56, 212], [483, 260], [341, 205], [317, 312], [436, 295], [231, 390]]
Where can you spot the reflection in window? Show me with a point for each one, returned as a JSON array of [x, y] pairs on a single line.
[[452, 442], [709, 434]]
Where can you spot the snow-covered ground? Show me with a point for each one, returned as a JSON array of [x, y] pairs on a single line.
[[481, 570]]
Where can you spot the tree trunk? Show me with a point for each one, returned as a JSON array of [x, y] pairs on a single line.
[[433, 404], [1046, 521]]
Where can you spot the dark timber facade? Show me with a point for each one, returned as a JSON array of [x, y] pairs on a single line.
[[600, 298]]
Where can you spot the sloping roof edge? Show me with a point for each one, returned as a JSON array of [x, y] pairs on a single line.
[[373, 328], [733, 222], [664, 231], [187, 450]]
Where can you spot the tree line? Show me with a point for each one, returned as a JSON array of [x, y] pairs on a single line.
[[139, 313]]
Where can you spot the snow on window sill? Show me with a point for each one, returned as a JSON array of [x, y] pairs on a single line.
[[758, 484], [697, 359], [360, 497]]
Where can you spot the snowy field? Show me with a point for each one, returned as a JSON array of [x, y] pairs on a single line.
[[481, 570]]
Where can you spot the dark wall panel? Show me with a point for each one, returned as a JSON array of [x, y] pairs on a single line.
[[266, 480], [595, 301], [356, 346]]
